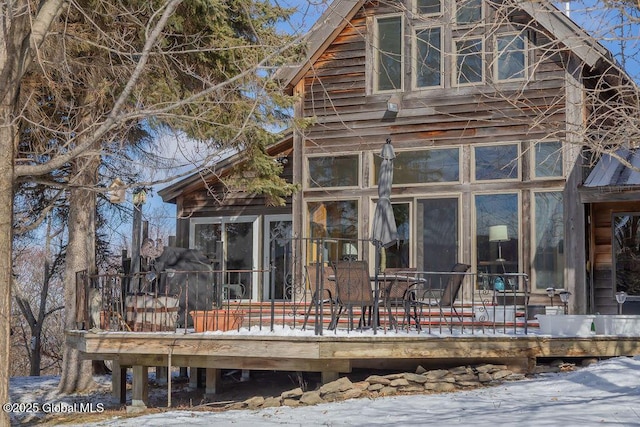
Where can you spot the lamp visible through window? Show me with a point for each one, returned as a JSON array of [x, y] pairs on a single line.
[[499, 234]]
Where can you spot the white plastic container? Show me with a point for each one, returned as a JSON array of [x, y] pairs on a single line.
[[495, 313], [572, 325], [617, 324]]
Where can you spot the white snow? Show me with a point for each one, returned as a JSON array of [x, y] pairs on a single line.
[[606, 393]]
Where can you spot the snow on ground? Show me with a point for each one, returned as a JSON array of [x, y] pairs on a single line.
[[603, 394]]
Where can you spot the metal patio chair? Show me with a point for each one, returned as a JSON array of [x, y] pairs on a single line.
[[418, 297], [317, 274], [353, 285]]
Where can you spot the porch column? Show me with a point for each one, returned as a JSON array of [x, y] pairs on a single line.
[[119, 381], [140, 387], [213, 381]]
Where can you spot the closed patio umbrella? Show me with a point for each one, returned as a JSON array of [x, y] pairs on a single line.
[[383, 232]]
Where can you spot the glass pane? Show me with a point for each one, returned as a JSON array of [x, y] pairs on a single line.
[[429, 58], [437, 244], [208, 238], [239, 256], [280, 234], [428, 6], [468, 11], [333, 219], [497, 256], [548, 159], [389, 65], [339, 171], [436, 165], [511, 57], [548, 260], [397, 256], [626, 251], [469, 61], [496, 162]]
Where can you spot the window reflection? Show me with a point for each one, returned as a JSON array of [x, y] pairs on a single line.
[[496, 162], [425, 166], [548, 259], [333, 220], [338, 171], [626, 252]]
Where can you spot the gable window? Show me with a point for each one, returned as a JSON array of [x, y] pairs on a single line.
[[496, 162], [468, 11], [547, 159], [428, 56], [388, 63], [424, 166], [337, 171], [468, 61], [428, 7], [511, 61]]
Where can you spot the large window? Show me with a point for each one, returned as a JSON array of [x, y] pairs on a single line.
[[512, 57], [389, 63], [236, 238], [548, 258], [437, 237], [626, 253], [424, 166], [495, 162], [333, 220], [469, 67], [428, 57], [547, 159], [338, 171], [497, 252]]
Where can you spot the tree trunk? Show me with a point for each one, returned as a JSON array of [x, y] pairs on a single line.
[[77, 374], [7, 149]]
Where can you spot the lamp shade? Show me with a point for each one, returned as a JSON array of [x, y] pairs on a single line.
[[498, 233], [349, 249]]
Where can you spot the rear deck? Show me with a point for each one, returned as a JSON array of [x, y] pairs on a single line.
[[284, 349]]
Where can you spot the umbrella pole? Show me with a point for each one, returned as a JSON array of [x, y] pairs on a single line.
[[376, 294]]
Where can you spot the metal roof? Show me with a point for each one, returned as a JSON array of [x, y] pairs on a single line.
[[620, 169]]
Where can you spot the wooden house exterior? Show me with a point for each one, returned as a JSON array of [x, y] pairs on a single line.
[[485, 105]]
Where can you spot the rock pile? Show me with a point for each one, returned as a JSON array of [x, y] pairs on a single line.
[[422, 381]]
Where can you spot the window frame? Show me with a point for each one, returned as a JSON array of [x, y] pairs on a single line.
[[414, 58], [307, 170], [466, 24], [534, 164], [534, 239], [518, 158], [375, 172], [525, 54], [377, 52], [307, 220], [454, 61], [614, 256]]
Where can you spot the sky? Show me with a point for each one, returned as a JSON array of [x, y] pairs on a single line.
[[603, 394]]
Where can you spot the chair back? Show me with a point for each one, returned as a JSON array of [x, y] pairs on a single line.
[[353, 284], [453, 285], [396, 288], [319, 273]]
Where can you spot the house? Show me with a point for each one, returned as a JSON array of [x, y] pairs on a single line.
[[486, 106]]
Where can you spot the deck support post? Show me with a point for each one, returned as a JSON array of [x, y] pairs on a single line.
[[162, 373], [140, 388], [194, 374], [329, 376], [119, 381], [213, 381]]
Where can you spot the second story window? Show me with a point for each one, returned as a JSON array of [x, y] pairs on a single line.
[[428, 7], [333, 171], [468, 11], [511, 61], [428, 57], [389, 63], [468, 61]]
